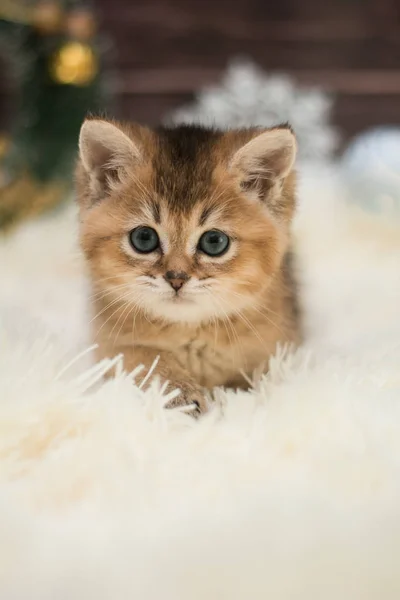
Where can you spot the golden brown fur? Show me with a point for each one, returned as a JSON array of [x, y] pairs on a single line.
[[232, 310]]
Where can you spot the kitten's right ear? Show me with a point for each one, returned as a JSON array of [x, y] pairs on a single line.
[[105, 152]]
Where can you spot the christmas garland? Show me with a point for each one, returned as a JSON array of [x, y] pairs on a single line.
[[52, 48]]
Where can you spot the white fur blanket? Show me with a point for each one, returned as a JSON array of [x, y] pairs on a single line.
[[291, 491]]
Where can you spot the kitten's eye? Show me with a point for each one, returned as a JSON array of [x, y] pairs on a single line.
[[144, 239], [214, 242]]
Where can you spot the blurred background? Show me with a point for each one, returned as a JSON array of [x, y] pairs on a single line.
[[332, 67], [165, 50]]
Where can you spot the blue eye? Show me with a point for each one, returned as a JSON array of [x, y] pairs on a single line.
[[214, 242], [144, 239]]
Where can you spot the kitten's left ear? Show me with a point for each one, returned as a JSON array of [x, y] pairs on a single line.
[[103, 145], [269, 157], [105, 152]]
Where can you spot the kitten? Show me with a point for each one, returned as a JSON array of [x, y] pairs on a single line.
[[186, 232]]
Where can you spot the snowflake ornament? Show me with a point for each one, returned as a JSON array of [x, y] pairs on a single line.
[[247, 96], [371, 168]]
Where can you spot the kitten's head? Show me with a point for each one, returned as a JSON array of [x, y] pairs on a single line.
[[188, 224]]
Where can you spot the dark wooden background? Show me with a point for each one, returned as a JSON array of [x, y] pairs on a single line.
[[166, 49]]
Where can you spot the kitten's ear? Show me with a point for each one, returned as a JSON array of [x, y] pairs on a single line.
[[267, 158], [105, 152]]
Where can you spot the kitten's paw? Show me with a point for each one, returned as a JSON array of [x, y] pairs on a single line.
[[191, 395]]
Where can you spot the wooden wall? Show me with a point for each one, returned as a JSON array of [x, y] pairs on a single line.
[[166, 49]]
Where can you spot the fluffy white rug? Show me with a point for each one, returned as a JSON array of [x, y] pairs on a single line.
[[290, 492]]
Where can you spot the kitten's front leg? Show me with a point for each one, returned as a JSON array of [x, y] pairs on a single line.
[[168, 370]]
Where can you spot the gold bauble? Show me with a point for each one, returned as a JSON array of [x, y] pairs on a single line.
[[48, 16], [81, 24], [74, 63]]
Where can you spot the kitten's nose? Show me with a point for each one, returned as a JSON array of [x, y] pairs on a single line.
[[175, 279]]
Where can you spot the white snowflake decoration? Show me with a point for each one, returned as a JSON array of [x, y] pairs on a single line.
[[371, 168], [247, 96]]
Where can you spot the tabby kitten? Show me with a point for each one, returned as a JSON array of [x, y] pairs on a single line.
[[186, 232]]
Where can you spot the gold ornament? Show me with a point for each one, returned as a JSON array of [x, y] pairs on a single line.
[[48, 16], [81, 24], [75, 64]]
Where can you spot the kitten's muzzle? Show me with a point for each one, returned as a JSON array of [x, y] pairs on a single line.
[[176, 279]]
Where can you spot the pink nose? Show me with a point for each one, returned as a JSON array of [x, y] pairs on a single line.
[[176, 280], [176, 283]]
